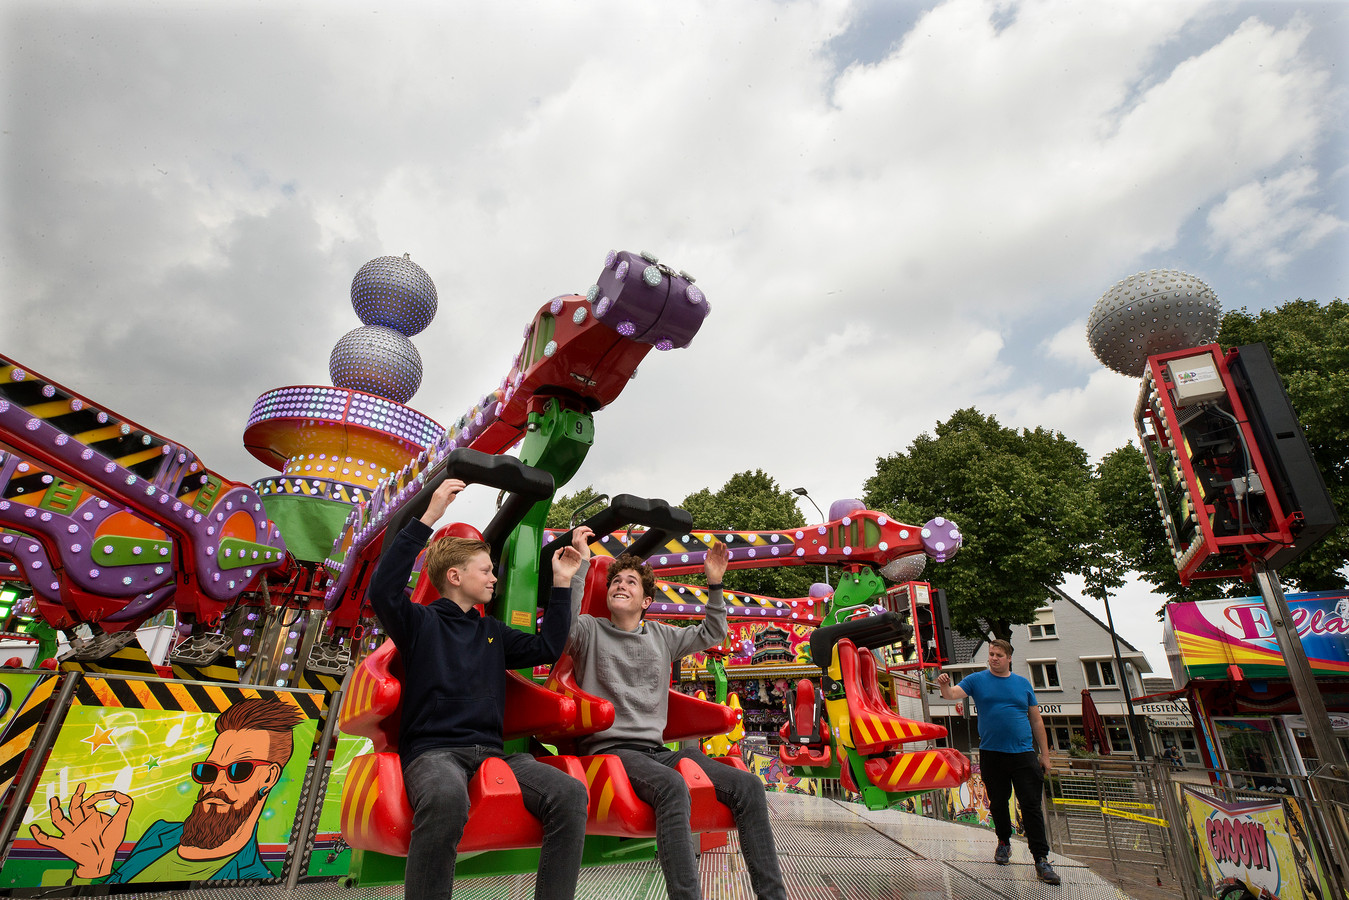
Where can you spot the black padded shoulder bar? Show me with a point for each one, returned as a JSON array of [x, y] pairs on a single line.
[[873, 631], [662, 520], [526, 484]]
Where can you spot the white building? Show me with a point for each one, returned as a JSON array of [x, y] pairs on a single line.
[[1065, 650]]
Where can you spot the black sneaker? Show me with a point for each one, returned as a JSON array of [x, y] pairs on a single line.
[[1003, 854], [1045, 872]]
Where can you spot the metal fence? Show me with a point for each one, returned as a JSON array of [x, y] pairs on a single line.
[[1137, 816], [1115, 811]]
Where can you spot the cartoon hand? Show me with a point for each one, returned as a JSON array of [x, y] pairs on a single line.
[[89, 837], [714, 564]]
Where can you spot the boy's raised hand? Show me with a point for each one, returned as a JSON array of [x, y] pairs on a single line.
[[565, 563], [580, 539], [441, 500], [714, 564]]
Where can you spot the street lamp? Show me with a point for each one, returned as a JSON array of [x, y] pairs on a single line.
[[801, 492]]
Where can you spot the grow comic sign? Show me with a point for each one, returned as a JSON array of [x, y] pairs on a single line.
[[1262, 844]]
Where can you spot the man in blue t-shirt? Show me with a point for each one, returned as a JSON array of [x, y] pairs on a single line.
[[1010, 730]]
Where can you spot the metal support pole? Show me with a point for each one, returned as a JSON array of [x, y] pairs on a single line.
[[1329, 753], [317, 782], [801, 492], [1328, 749], [1131, 719], [42, 745]]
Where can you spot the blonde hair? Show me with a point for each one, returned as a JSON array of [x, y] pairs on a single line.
[[450, 553]]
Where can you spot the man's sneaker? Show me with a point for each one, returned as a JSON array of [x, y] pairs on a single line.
[[1003, 854], [1045, 872]]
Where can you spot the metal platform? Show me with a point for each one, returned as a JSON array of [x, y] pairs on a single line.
[[829, 850]]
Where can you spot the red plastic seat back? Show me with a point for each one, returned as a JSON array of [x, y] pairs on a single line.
[[866, 664], [804, 723], [373, 706], [595, 602]]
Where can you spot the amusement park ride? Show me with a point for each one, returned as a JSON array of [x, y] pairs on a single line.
[[111, 525]]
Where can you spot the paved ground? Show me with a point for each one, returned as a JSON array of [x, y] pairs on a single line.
[[829, 850]]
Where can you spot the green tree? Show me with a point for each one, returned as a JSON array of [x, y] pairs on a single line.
[[753, 501], [1310, 346], [559, 515], [1022, 499]]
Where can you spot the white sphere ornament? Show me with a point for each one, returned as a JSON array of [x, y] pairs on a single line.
[[378, 361], [906, 568], [394, 292], [1157, 311]]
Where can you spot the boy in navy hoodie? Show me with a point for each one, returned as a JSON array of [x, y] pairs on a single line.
[[455, 663]]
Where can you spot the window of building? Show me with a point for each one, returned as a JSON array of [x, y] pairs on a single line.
[[1044, 674], [1117, 730], [1043, 626], [1060, 734], [1099, 672]]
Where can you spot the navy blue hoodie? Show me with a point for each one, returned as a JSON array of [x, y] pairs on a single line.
[[454, 662]]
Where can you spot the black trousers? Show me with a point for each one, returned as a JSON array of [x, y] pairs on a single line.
[[1005, 772]]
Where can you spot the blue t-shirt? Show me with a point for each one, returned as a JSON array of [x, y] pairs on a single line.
[[1004, 722]]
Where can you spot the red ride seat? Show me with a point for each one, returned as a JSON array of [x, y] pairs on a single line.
[[874, 727], [614, 806], [376, 815], [805, 731]]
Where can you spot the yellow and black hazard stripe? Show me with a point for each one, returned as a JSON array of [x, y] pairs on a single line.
[[319, 681], [85, 423], [184, 696], [226, 671], [22, 729], [130, 660]]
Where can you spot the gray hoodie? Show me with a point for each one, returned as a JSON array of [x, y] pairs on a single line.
[[631, 669]]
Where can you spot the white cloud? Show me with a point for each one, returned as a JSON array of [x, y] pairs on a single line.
[[189, 190], [1269, 223]]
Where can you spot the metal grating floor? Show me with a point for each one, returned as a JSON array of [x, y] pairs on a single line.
[[829, 851]]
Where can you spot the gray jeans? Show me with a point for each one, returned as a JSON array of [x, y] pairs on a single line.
[[657, 783], [436, 783]]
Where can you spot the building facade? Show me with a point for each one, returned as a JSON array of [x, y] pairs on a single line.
[[1065, 650]]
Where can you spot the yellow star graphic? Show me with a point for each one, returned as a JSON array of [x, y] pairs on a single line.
[[102, 737]]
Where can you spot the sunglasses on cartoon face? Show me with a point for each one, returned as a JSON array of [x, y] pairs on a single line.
[[237, 772]]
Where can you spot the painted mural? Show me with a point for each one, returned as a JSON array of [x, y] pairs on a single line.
[[1262, 844], [197, 788], [968, 803]]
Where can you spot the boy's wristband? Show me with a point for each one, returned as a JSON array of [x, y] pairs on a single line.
[[714, 587]]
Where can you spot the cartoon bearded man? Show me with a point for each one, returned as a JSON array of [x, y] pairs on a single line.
[[218, 840]]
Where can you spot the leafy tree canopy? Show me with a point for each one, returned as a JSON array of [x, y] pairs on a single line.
[[753, 501], [559, 515], [1023, 500]]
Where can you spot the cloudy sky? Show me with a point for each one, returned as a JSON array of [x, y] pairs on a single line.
[[896, 209]]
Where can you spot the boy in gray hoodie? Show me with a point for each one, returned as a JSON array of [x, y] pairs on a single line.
[[627, 661]]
